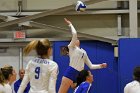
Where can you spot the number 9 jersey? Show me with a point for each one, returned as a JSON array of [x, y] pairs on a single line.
[[42, 75]]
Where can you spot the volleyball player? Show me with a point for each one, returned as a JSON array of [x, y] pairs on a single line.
[[40, 71], [78, 57]]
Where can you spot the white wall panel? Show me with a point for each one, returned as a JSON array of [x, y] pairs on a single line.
[[8, 5], [104, 4], [10, 57], [48, 4]]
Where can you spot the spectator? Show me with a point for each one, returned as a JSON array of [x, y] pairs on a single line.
[[18, 82]]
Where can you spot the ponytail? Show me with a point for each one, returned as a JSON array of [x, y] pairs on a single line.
[[41, 46], [32, 45]]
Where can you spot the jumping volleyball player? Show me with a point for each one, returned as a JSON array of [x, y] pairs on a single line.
[[40, 71], [78, 57]]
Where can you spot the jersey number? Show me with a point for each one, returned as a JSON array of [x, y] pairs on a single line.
[[37, 71]]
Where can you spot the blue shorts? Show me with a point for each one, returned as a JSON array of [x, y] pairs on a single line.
[[71, 73]]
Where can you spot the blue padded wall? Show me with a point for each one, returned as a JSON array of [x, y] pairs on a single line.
[[90, 47], [129, 58], [105, 80], [100, 52]]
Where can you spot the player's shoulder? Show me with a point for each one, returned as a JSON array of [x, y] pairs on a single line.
[[71, 46], [51, 62], [83, 50], [7, 87], [31, 61], [131, 84], [1, 87], [17, 81], [85, 84], [42, 61]]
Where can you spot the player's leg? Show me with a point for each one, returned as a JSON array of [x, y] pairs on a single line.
[[65, 85]]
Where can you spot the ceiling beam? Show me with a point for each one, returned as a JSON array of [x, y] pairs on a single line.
[[46, 13], [88, 11], [60, 29], [95, 37], [93, 12], [88, 36], [23, 42], [44, 26], [3, 17]]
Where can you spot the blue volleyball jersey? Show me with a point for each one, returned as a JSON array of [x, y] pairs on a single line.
[[84, 87]]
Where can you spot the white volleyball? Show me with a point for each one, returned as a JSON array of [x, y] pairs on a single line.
[[80, 6]]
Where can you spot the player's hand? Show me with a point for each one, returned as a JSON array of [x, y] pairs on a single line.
[[67, 21], [104, 65]]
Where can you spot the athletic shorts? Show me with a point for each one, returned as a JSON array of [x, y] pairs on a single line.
[[71, 73]]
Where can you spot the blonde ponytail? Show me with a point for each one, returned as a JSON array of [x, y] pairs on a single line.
[[40, 46], [32, 45]]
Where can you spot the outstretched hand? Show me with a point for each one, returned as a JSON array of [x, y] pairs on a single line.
[[67, 21], [103, 65]]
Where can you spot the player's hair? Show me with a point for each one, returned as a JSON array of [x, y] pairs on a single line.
[[136, 73], [66, 49], [2, 80], [7, 71], [41, 47], [82, 77]]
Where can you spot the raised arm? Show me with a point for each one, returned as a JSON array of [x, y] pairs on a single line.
[[93, 66], [52, 80], [73, 31], [126, 89]]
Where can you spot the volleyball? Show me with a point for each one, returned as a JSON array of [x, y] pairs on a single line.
[[80, 6]]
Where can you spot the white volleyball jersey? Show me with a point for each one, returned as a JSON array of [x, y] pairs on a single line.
[[6, 88], [2, 89], [132, 87], [78, 56], [42, 74]]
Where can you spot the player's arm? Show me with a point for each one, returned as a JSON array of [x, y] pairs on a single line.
[[53, 78], [25, 80], [126, 89], [93, 66], [73, 31]]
